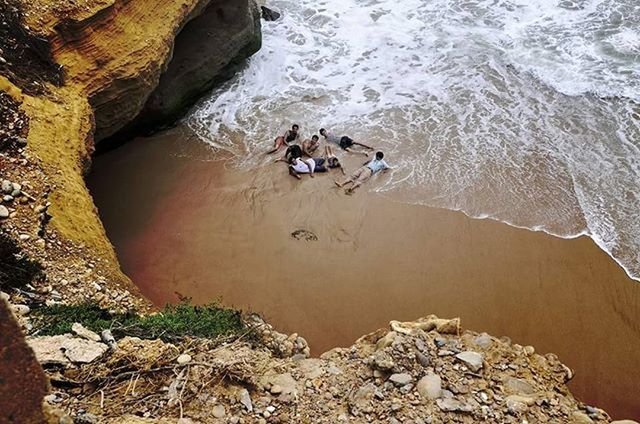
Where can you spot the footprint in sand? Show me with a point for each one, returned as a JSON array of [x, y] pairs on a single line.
[[304, 235]]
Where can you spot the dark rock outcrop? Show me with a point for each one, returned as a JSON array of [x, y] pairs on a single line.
[[208, 51], [269, 14], [23, 384]]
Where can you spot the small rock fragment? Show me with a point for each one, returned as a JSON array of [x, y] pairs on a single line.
[[580, 418], [430, 386], [21, 309], [483, 340], [401, 379], [7, 187], [108, 339], [85, 333], [452, 405], [219, 411], [473, 360], [184, 359], [245, 399]]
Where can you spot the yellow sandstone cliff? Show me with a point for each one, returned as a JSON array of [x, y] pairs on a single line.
[[72, 73], [112, 54]]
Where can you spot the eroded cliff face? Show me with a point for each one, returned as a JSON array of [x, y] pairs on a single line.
[[112, 54], [209, 50], [73, 72], [116, 52]]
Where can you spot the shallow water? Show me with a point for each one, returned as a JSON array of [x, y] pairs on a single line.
[[516, 110]]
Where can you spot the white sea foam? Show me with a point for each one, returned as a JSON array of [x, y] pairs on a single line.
[[492, 107]]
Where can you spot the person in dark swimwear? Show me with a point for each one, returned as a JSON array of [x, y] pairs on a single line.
[[344, 142], [293, 152], [290, 136]]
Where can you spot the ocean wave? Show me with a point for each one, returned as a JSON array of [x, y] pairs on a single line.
[[495, 108]]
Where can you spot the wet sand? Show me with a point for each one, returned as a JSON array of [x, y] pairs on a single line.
[[186, 224]]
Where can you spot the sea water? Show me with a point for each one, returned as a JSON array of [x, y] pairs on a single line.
[[521, 111]]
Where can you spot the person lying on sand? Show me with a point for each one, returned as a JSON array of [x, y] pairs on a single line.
[[344, 142], [290, 136], [364, 173], [293, 151], [332, 160], [307, 166], [309, 147]]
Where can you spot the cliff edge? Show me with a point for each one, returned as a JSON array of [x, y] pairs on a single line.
[[72, 73]]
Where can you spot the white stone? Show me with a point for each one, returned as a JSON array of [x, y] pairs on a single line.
[[7, 187], [452, 405], [245, 399], [430, 386], [401, 379], [184, 359], [108, 339], [219, 411], [85, 333], [21, 309], [64, 349], [4, 212], [472, 360]]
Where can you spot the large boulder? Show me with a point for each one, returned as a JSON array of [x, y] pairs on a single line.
[[66, 350], [22, 381], [208, 51]]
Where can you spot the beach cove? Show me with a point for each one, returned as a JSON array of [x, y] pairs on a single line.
[[187, 223]]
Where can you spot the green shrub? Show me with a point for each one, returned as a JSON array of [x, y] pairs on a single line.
[[173, 323]]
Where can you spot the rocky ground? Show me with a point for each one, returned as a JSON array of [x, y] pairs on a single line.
[[427, 371], [53, 269], [24, 58]]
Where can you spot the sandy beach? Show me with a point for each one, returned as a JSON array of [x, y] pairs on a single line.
[[185, 223]]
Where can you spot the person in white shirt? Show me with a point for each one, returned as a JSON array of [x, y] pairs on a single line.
[[309, 166], [364, 173]]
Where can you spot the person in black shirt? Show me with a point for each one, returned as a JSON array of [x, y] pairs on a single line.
[[290, 136], [293, 152]]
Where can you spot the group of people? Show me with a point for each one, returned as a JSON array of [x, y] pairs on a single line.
[[302, 157]]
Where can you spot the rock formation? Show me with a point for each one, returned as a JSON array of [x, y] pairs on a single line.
[[23, 385]]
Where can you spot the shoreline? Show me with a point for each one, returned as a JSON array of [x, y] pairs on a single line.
[[537, 229], [207, 230]]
